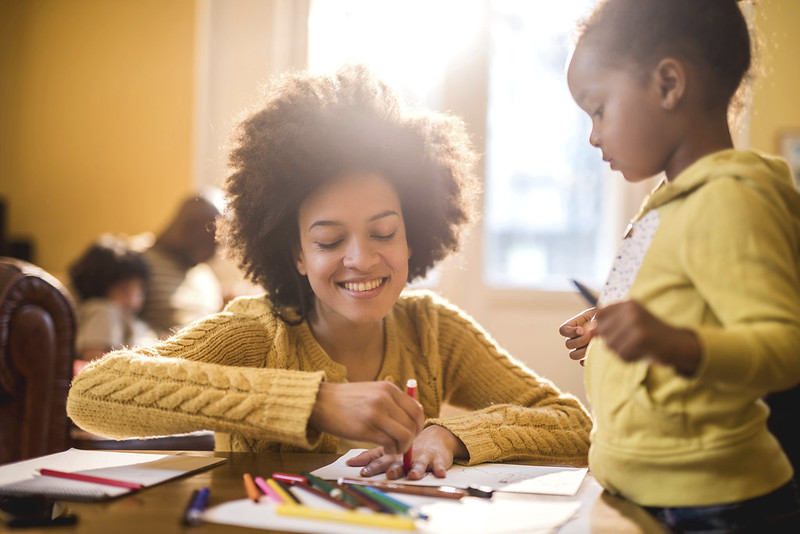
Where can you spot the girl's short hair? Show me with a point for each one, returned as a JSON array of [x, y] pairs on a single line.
[[106, 262], [713, 34], [313, 129]]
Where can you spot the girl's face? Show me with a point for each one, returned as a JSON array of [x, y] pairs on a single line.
[[353, 248], [129, 294], [627, 115]]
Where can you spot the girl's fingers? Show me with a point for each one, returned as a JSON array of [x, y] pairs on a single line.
[[578, 354]]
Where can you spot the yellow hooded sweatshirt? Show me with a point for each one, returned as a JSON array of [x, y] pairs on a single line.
[[716, 250]]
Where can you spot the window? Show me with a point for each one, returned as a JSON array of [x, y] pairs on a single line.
[[544, 209], [550, 210], [408, 43]]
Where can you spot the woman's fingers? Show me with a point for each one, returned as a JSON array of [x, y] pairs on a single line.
[[365, 457], [377, 412]]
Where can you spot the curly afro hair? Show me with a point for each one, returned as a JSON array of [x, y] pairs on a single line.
[[312, 130]]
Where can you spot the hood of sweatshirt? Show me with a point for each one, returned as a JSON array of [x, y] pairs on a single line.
[[768, 175]]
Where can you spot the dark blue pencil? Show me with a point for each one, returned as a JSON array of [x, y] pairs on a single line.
[[587, 293]]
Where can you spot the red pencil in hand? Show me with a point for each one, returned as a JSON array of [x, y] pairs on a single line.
[[411, 391]]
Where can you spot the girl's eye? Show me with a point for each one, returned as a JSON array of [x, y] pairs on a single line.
[[598, 113]]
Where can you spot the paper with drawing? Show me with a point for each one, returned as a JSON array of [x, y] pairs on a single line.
[[515, 478]]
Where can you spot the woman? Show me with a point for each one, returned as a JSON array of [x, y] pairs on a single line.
[[338, 197]]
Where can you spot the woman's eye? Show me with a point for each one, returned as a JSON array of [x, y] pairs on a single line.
[[598, 113], [328, 246], [384, 237]]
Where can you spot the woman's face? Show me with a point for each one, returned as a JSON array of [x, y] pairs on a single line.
[[353, 248]]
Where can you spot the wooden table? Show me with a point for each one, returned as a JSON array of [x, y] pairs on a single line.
[[159, 509]]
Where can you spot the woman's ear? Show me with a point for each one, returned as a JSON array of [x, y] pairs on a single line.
[[670, 79], [299, 263]]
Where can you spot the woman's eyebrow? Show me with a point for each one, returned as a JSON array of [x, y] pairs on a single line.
[[323, 223], [381, 215]]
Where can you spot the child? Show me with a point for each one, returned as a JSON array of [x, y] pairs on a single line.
[[109, 279], [338, 197], [700, 315]]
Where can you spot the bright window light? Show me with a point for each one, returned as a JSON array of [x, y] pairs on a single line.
[[544, 190]]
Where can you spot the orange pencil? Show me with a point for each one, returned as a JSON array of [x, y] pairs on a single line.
[[250, 488], [411, 391]]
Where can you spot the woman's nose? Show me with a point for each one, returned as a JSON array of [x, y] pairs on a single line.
[[360, 255]]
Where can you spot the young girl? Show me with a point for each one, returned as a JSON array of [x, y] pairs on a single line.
[[109, 279], [700, 315], [338, 197]]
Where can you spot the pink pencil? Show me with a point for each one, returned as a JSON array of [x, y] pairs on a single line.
[[268, 491], [90, 478], [411, 391]]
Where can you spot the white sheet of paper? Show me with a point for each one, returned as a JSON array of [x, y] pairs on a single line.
[[516, 478], [467, 516], [504, 513], [23, 477]]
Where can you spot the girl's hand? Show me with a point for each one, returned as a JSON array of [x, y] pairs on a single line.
[[578, 330], [634, 334], [434, 450], [377, 412]]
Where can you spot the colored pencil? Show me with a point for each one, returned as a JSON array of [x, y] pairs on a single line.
[[347, 516], [444, 492], [91, 478], [250, 487], [411, 391]]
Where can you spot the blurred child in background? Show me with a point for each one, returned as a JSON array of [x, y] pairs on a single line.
[[109, 279]]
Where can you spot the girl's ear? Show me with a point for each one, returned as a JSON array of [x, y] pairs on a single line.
[[670, 80], [299, 263]]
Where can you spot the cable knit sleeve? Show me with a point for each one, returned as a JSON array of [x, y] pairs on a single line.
[[515, 414], [226, 373]]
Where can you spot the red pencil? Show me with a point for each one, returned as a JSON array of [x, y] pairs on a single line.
[[411, 391], [90, 478]]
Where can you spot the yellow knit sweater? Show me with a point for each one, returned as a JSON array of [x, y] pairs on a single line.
[[253, 379]]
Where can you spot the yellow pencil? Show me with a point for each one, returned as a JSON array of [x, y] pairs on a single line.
[[347, 516], [288, 499]]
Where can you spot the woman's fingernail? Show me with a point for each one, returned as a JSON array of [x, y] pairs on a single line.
[[365, 471]]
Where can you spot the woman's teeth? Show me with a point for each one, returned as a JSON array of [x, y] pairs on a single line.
[[363, 286]]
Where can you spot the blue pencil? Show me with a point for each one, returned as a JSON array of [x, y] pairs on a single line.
[[586, 293], [197, 505]]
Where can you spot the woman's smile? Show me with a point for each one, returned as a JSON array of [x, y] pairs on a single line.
[[363, 287]]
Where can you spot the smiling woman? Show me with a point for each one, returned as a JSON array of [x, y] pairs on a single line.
[[339, 195]]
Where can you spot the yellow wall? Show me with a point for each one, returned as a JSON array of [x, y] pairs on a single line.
[[776, 95], [96, 129]]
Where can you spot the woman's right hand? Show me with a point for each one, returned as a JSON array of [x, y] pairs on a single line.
[[376, 412], [578, 330]]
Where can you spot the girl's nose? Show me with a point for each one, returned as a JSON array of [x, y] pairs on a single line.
[[360, 255], [594, 138]]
